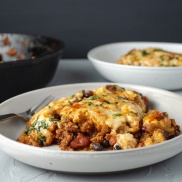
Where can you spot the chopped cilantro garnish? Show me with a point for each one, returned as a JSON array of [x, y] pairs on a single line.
[[116, 115], [98, 96], [145, 53], [31, 127], [161, 64], [41, 139], [162, 58], [119, 97], [69, 102], [133, 112], [83, 92], [95, 97], [40, 125], [107, 102], [90, 103]]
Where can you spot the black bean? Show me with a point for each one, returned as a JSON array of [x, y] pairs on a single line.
[[57, 116], [97, 146], [117, 147], [105, 143]]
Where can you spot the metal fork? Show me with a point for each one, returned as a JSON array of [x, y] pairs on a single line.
[[29, 113]]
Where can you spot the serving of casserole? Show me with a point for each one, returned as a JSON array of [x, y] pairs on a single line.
[[106, 118], [151, 57]]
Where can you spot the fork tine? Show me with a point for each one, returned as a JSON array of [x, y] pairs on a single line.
[[35, 108]]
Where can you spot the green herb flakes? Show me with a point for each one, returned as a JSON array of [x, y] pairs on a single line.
[[116, 115]]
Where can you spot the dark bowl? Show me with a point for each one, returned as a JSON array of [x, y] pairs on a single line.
[[27, 62]]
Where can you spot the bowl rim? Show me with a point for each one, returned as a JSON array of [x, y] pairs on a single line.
[[91, 56], [40, 57]]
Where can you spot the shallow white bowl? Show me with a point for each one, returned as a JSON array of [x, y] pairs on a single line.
[[104, 60], [52, 158]]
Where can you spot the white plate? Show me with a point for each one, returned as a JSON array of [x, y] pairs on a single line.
[[52, 158], [104, 60]]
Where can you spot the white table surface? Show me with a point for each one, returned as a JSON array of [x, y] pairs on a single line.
[[77, 71]]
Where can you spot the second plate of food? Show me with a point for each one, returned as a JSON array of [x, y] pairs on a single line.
[[156, 64], [77, 124]]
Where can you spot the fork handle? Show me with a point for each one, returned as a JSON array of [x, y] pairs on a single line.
[[7, 116]]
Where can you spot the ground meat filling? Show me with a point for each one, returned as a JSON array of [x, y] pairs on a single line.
[[65, 133], [84, 136]]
